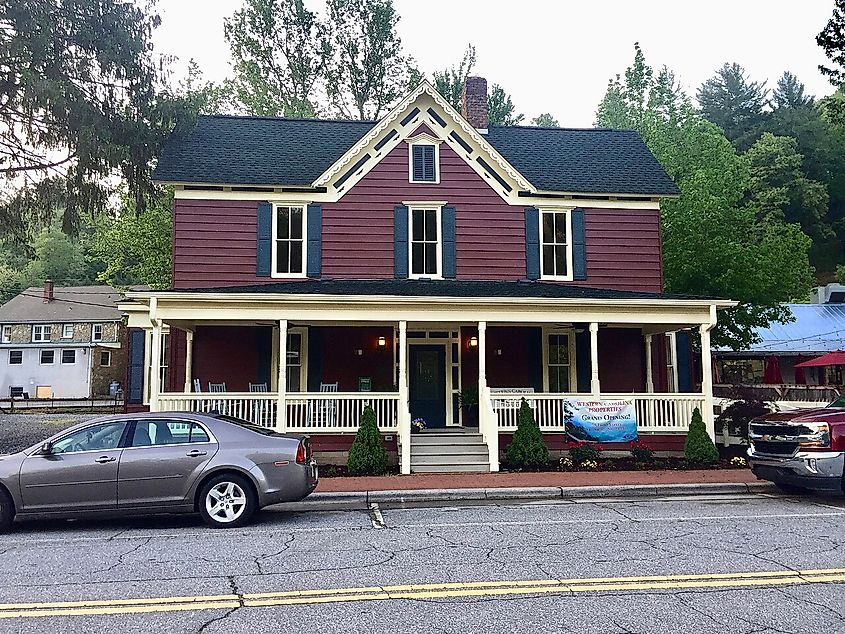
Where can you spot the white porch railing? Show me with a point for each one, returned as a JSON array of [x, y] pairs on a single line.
[[655, 412], [307, 412]]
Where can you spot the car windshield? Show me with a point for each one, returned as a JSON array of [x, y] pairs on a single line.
[[264, 431], [840, 402]]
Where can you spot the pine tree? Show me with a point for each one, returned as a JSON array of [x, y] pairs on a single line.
[[527, 451], [699, 448], [367, 455]]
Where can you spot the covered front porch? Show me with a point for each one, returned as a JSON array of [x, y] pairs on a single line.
[[456, 364]]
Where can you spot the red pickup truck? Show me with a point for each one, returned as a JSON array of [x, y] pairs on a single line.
[[800, 450]]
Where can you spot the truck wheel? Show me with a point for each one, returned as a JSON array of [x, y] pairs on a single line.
[[792, 489], [7, 511]]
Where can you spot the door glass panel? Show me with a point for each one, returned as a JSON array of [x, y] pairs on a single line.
[[102, 437], [427, 374]]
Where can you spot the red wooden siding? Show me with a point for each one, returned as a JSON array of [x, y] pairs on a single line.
[[226, 354], [335, 359]]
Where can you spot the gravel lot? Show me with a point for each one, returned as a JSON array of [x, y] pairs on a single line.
[[19, 431]]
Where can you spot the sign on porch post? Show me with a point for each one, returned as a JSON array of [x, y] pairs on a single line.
[[600, 420]]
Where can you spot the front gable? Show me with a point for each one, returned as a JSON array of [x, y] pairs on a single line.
[[424, 112]]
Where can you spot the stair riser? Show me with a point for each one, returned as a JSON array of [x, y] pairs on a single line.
[[449, 469], [450, 451]]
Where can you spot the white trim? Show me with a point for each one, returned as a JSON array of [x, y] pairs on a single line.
[[274, 239], [438, 214], [424, 139], [447, 372], [10, 356], [45, 333], [6, 336], [557, 210], [105, 365], [671, 342], [573, 372], [52, 351], [94, 336], [65, 328], [62, 357]]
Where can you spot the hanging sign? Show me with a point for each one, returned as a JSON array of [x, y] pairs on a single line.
[[600, 421]]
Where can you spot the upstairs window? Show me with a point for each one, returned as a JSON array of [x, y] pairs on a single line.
[[424, 163], [7, 334], [67, 331], [289, 241], [42, 333], [97, 332], [425, 242], [555, 245]]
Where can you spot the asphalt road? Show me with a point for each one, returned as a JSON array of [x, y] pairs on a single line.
[[701, 565]]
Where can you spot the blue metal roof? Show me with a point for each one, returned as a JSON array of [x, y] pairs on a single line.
[[818, 328]]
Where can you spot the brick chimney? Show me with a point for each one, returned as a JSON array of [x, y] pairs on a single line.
[[474, 102], [48, 291]]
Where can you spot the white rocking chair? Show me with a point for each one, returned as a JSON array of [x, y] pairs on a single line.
[[323, 413]]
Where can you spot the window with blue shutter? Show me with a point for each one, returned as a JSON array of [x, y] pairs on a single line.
[[532, 243], [447, 221], [423, 163], [264, 247], [313, 259], [135, 376], [400, 241]]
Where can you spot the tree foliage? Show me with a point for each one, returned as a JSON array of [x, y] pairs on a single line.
[[545, 120], [450, 82], [734, 103], [527, 450], [699, 448], [367, 456], [832, 40], [789, 93], [500, 108]]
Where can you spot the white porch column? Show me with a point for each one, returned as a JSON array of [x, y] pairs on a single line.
[[282, 381], [189, 358], [403, 416], [649, 372], [707, 379], [155, 369], [482, 356], [595, 385]]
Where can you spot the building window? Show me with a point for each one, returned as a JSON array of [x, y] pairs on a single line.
[[42, 333], [48, 357], [296, 370], [289, 241], [15, 357], [105, 358], [97, 332], [555, 248], [671, 363], [68, 357], [7, 334], [424, 162], [67, 331], [559, 366], [426, 249]]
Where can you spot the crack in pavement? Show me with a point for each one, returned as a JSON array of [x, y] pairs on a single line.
[[233, 586], [120, 559], [259, 559]]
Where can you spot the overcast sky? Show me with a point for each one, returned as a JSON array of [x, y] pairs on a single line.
[[558, 56]]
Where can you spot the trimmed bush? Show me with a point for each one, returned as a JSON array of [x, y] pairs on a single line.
[[699, 447], [367, 456], [527, 451], [581, 451]]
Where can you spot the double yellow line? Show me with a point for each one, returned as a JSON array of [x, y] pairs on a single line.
[[420, 591]]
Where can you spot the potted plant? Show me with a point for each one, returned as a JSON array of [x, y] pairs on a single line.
[[417, 425], [468, 400]]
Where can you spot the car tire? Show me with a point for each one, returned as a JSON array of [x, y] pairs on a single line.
[[792, 489], [7, 510], [227, 501]]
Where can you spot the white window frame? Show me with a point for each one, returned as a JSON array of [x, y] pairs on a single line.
[[42, 333], [10, 357], [6, 336], [672, 362], [438, 212], [274, 240], [62, 357], [573, 372], [424, 140], [41, 357], [106, 352], [303, 358], [67, 331], [557, 210], [94, 336]]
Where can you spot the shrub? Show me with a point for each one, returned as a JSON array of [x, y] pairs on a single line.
[[699, 448], [641, 451], [581, 452], [738, 414], [527, 451], [367, 456]]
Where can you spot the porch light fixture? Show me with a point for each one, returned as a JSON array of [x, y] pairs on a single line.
[[382, 342], [473, 342]]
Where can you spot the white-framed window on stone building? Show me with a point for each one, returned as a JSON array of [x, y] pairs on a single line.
[[7, 334], [105, 358], [41, 333], [67, 331], [97, 332]]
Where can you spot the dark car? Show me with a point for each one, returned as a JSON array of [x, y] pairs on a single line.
[[222, 467]]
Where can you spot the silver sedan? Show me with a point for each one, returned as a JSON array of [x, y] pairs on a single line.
[[222, 467]]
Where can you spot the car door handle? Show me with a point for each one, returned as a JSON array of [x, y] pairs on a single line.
[[104, 459], [193, 453]]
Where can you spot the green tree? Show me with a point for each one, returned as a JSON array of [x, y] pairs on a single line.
[[135, 248], [58, 257], [734, 103], [367, 456], [832, 40], [83, 97], [500, 108], [698, 447], [280, 54], [545, 120], [789, 93], [450, 82], [527, 450], [368, 71], [206, 97]]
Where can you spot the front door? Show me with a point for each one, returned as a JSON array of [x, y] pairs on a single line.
[[427, 384]]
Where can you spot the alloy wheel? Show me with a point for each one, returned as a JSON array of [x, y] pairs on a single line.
[[225, 502]]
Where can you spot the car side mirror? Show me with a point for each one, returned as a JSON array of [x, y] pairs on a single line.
[[46, 449]]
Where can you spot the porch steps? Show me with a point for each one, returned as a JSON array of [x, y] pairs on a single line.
[[448, 452]]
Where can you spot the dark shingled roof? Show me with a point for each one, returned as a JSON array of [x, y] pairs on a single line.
[[70, 303], [233, 150], [439, 288]]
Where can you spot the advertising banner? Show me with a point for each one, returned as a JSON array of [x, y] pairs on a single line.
[[600, 421]]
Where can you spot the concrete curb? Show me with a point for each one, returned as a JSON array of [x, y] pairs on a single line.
[[362, 499]]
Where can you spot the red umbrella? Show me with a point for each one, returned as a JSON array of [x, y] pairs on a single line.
[[800, 375], [772, 375], [831, 358]]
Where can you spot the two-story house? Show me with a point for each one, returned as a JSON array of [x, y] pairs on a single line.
[[320, 266], [61, 342]]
